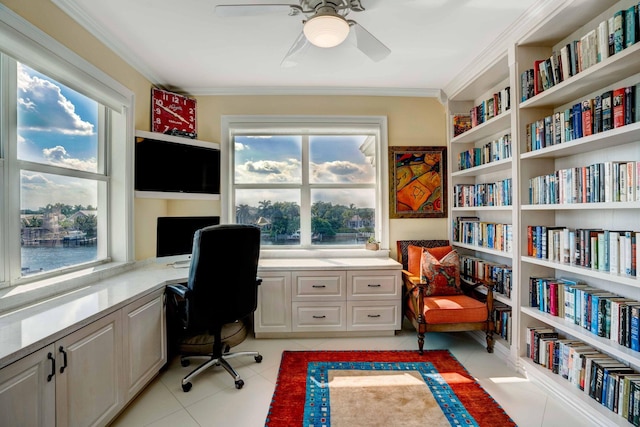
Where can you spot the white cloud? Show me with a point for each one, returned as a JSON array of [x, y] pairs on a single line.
[[39, 189], [58, 156], [49, 110]]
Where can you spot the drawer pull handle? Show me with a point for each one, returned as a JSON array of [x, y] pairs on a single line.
[[53, 366], [373, 315], [319, 317], [374, 285], [318, 286]]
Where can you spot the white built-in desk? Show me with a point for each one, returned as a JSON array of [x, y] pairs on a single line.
[[98, 346]]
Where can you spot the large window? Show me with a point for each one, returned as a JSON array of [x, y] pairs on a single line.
[[61, 166], [308, 182], [65, 163]]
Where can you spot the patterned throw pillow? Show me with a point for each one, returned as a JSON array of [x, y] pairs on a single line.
[[443, 276]]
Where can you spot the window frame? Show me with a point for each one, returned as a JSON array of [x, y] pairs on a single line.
[[376, 125], [23, 42]]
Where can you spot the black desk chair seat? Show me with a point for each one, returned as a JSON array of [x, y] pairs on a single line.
[[210, 314]]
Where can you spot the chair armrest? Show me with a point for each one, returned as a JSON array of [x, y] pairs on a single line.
[[178, 289]]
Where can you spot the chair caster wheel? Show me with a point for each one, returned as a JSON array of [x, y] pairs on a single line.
[[185, 362], [186, 387], [239, 384], [258, 358]]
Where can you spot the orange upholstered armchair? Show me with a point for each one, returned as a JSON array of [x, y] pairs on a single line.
[[435, 297]]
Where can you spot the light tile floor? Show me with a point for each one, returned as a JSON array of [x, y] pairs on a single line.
[[214, 400]]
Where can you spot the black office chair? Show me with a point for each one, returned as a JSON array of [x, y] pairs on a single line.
[[213, 310]]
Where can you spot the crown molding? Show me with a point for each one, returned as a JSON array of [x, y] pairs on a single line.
[[316, 90], [529, 20]]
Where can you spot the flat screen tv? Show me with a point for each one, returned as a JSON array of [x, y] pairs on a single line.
[[176, 166], [175, 233]]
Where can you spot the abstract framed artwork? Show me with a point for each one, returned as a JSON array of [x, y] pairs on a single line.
[[418, 182]]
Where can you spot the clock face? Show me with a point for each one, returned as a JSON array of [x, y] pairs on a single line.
[[171, 111]]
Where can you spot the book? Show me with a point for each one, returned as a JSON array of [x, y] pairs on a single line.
[[618, 105], [618, 31], [630, 30], [587, 117], [629, 104], [603, 41], [461, 123], [607, 110]]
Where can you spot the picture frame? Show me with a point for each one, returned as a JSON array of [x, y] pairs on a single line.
[[418, 182]]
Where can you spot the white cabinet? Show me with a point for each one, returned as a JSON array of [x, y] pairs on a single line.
[[145, 341], [89, 388], [28, 390], [321, 297], [273, 314], [85, 378]]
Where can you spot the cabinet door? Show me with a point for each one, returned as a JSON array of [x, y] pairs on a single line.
[[145, 341], [89, 382], [27, 391], [273, 314]]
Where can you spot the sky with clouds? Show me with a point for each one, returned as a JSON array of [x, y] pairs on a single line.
[[277, 160], [56, 126]]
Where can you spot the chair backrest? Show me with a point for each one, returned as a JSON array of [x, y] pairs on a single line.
[[403, 245], [222, 275]]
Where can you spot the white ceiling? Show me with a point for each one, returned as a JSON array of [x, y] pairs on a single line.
[[184, 46]]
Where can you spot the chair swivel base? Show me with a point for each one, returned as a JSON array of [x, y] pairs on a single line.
[[217, 361]]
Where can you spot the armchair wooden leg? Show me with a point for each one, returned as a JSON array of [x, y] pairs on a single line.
[[420, 342], [490, 341]]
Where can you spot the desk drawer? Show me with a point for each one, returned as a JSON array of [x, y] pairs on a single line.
[[373, 315], [319, 316], [368, 285], [318, 286]]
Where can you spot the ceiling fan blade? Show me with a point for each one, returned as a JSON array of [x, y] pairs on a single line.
[[368, 44], [255, 9], [297, 51]]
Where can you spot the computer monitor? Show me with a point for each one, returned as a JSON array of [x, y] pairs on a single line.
[[175, 234]]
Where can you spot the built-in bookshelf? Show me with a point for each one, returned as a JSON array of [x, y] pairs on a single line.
[[559, 155]]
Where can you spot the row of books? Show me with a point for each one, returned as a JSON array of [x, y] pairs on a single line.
[[486, 194], [486, 110], [612, 251], [501, 317], [613, 109], [472, 231], [602, 313], [481, 270], [492, 151], [596, 183], [611, 37], [610, 382]]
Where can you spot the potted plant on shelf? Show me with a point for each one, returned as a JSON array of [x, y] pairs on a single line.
[[372, 244]]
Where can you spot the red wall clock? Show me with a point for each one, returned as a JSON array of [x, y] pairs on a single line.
[[172, 112]]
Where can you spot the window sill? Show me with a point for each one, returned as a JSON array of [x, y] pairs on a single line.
[[33, 292], [323, 253]]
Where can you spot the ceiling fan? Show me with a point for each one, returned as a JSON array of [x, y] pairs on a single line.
[[324, 25]]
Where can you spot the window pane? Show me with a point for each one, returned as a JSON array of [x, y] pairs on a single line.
[[342, 216], [267, 159], [277, 212], [59, 221], [339, 159], [56, 125]]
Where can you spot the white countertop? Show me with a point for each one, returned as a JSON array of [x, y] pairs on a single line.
[[28, 329]]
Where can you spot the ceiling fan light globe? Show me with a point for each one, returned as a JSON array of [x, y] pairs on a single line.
[[326, 30]]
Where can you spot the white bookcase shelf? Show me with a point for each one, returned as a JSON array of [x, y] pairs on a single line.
[[567, 22]]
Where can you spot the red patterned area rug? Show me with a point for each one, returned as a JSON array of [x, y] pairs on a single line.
[[379, 388]]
